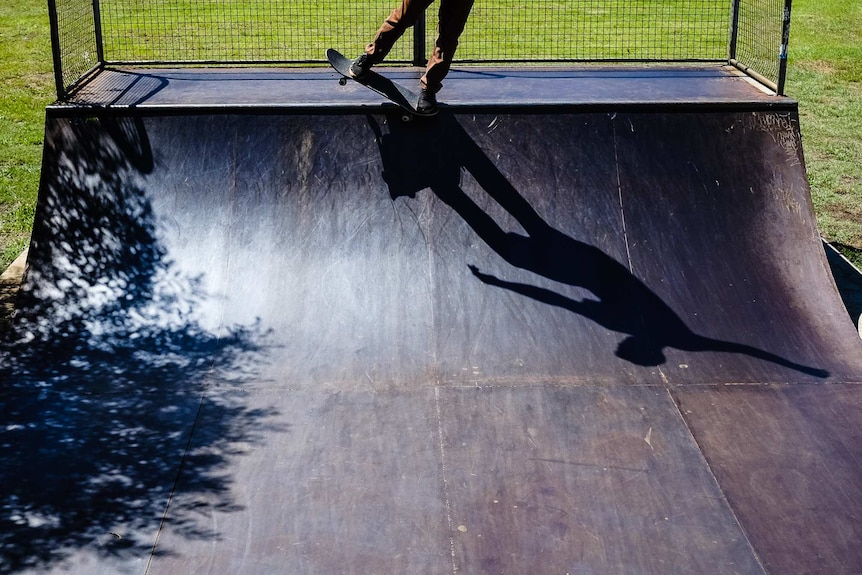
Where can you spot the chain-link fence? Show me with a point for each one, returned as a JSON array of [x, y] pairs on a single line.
[[74, 35], [759, 42], [598, 30], [237, 31], [297, 32]]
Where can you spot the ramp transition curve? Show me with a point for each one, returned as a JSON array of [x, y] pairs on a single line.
[[535, 341]]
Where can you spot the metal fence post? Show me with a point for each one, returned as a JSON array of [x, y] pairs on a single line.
[[782, 54], [55, 49], [97, 22], [734, 29], [419, 41]]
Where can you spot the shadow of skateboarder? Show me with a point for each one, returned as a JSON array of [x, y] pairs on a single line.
[[431, 155]]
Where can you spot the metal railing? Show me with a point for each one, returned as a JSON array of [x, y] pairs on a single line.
[[90, 34]]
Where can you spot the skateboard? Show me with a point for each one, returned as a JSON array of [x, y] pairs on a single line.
[[392, 91]]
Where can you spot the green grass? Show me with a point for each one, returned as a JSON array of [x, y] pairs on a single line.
[[27, 87], [825, 76]]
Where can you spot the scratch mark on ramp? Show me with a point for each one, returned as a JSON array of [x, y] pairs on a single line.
[[443, 471], [620, 193]]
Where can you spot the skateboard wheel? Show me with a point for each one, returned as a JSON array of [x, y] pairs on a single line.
[[342, 81]]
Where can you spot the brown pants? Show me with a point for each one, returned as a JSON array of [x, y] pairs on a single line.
[[451, 21]]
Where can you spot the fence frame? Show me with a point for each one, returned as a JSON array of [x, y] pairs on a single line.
[[64, 87]]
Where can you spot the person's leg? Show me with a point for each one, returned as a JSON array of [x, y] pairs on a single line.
[[452, 19], [394, 27]]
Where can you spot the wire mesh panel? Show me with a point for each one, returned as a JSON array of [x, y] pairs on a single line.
[[758, 42], [594, 30], [239, 30], [499, 30], [75, 38]]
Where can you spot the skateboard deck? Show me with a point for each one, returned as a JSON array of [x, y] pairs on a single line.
[[392, 91]]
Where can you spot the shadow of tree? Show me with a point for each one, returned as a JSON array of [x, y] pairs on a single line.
[[432, 154], [105, 369]]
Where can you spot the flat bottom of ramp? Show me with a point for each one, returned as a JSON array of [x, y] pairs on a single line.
[[470, 480]]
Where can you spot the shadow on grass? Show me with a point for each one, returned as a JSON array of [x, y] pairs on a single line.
[[853, 255], [105, 370], [844, 262]]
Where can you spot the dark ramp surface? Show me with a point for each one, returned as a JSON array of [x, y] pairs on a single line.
[[534, 342]]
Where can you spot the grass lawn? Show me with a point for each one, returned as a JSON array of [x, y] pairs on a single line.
[[825, 76], [26, 87]]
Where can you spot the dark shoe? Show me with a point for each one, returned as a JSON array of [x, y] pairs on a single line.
[[427, 104], [360, 66]]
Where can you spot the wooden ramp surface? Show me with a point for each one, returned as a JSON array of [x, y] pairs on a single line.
[[574, 339]]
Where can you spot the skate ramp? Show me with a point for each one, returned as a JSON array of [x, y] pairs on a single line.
[[549, 341]]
